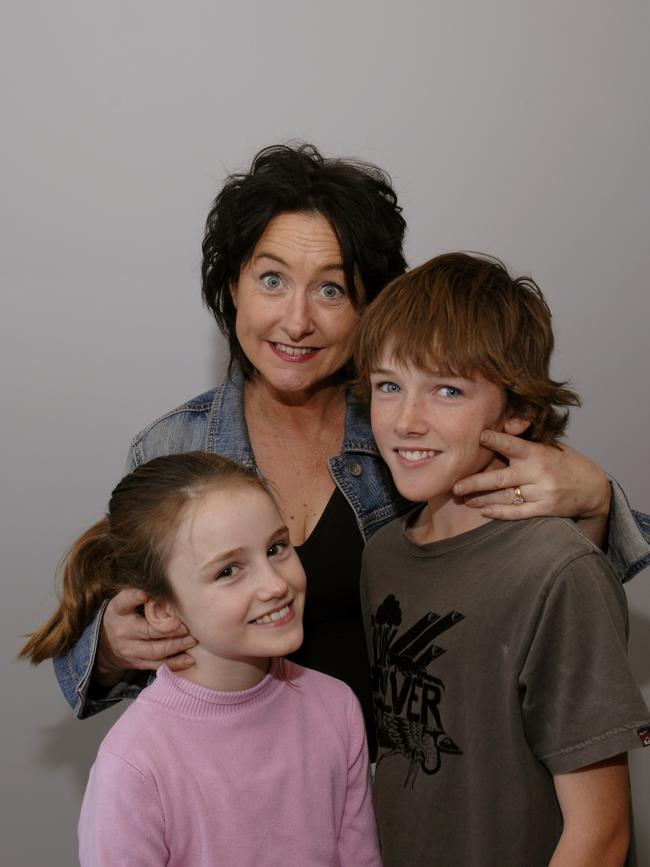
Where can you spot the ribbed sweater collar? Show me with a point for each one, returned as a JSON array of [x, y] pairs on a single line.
[[191, 700]]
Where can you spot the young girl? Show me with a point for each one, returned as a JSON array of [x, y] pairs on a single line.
[[243, 759]]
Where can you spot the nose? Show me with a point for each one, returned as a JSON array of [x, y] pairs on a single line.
[[271, 584], [411, 419], [297, 321]]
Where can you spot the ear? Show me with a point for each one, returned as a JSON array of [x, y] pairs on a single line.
[[161, 615], [233, 292], [514, 424]]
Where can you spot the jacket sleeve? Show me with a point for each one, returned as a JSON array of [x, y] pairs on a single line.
[[358, 842], [121, 819], [74, 674], [628, 545]]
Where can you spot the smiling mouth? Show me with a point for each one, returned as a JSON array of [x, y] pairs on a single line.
[[295, 353], [415, 455], [274, 616]]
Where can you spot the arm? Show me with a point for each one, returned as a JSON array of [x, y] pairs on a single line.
[[121, 819], [107, 662], [563, 483], [358, 842], [595, 804]]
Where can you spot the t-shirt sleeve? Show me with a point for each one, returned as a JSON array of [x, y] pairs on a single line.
[[358, 842], [580, 703], [121, 819]]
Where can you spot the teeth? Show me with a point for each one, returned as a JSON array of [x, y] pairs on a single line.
[[294, 350], [415, 454], [275, 615]]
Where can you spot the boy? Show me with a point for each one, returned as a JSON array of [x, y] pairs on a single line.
[[503, 698]]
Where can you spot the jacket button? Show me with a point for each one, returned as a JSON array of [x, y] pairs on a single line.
[[355, 468]]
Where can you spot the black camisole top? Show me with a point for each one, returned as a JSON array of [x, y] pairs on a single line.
[[334, 638]]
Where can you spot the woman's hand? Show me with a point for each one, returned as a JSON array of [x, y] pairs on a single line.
[[128, 642], [551, 481]]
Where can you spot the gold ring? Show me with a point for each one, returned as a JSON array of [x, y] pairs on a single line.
[[518, 499]]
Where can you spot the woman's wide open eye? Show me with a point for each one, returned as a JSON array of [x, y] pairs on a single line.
[[271, 280], [331, 291]]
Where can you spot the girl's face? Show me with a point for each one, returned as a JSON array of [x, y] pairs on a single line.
[[239, 585], [295, 319]]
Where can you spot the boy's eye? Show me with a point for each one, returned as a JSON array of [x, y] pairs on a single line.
[[387, 387], [449, 391], [227, 572], [271, 280], [331, 291]]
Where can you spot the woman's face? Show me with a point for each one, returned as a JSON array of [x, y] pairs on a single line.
[[295, 319]]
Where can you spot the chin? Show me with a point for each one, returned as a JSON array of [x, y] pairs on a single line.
[[293, 643]]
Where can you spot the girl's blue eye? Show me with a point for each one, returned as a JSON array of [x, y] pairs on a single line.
[[450, 391], [331, 291], [388, 387], [271, 281]]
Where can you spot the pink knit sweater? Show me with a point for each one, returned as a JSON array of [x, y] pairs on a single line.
[[273, 775]]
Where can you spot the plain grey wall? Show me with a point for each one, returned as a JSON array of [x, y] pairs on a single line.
[[516, 128]]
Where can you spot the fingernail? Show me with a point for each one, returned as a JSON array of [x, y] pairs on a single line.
[[459, 489], [182, 629], [188, 660], [189, 641], [485, 436]]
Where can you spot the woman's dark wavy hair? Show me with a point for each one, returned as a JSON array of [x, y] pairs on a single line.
[[357, 199]]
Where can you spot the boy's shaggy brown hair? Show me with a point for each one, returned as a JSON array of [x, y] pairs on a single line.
[[463, 314]]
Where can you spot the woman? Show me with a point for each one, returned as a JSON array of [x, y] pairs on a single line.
[[293, 250]]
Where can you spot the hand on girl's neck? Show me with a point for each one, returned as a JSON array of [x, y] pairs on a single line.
[[225, 675]]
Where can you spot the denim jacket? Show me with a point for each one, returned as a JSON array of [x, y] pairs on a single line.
[[215, 422]]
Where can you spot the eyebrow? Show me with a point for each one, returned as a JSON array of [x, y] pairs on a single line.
[[436, 374], [234, 552], [331, 266], [219, 558]]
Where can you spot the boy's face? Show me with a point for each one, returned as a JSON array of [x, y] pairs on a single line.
[[427, 426]]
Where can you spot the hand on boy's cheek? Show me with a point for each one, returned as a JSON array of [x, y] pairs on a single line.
[[552, 480]]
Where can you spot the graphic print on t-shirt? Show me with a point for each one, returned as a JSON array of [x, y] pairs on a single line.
[[406, 696]]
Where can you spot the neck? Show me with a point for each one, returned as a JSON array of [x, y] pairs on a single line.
[[225, 675], [444, 520], [281, 410], [446, 516]]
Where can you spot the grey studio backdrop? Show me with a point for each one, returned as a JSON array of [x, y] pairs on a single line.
[[516, 128]]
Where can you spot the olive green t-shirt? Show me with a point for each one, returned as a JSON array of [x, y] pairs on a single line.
[[498, 659]]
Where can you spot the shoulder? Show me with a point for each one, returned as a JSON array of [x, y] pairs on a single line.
[[192, 410], [553, 544], [330, 692], [387, 538], [124, 743], [183, 428]]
